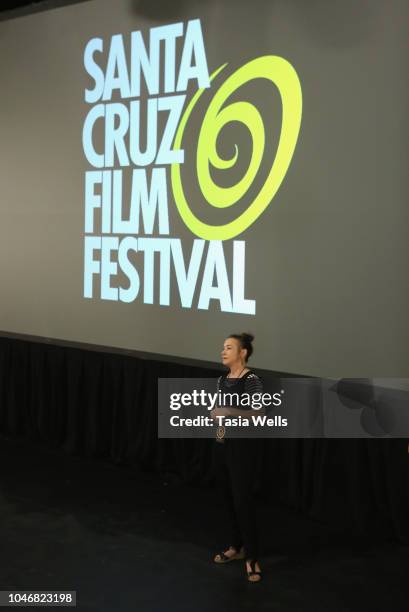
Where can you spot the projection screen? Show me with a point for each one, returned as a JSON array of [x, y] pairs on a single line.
[[176, 172]]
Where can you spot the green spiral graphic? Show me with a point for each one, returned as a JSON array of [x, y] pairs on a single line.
[[282, 74]]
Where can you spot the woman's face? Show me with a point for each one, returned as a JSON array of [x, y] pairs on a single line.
[[232, 353]]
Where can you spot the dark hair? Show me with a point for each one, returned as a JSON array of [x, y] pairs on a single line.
[[245, 341]]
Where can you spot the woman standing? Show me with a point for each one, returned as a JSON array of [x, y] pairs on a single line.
[[237, 459]]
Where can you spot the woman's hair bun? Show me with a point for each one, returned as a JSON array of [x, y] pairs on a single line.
[[245, 340]]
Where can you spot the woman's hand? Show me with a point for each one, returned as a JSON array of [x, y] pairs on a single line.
[[219, 412]]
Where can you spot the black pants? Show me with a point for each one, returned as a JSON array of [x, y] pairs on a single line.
[[236, 464]]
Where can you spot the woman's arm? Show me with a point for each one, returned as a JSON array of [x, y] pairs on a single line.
[[252, 386], [230, 412]]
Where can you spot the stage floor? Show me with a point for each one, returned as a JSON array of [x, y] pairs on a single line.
[[127, 540]]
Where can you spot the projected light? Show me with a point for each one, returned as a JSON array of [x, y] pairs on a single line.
[[141, 246]]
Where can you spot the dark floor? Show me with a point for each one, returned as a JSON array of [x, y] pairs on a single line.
[[130, 541]]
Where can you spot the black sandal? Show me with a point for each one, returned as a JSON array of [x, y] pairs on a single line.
[[225, 559], [253, 571]]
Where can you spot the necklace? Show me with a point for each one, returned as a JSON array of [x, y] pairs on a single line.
[[228, 375], [221, 430]]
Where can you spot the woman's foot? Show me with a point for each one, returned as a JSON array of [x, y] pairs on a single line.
[[231, 554], [253, 571]]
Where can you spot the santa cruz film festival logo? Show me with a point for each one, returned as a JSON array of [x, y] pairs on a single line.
[[151, 158]]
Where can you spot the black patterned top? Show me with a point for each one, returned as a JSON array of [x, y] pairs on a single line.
[[250, 384]]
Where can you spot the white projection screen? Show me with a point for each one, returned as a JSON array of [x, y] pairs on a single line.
[[174, 172]]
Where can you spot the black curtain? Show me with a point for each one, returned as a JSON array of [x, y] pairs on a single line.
[[99, 404]]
